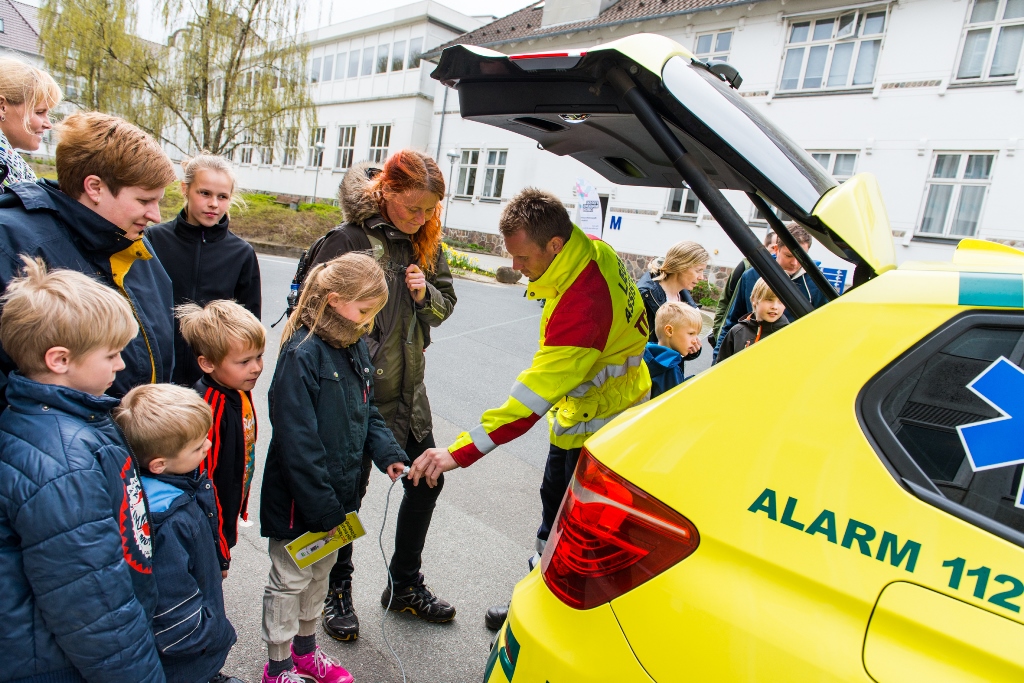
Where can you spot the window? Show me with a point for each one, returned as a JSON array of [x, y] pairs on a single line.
[[494, 174], [467, 171], [382, 58], [415, 50], [245, 150], [992, 40], [367, 61], [339, 65], [913, 407], [839, 164], [380, 138], [266, 155], [353, 63], [317, 138], [961, 181], [291, 146], [1, 25], [328, 68], [682, 200], [714, 47], [346, 147], [837, 52], [398, 56], [314, 73]]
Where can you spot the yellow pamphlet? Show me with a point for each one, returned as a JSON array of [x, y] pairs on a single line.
[[313, 546]]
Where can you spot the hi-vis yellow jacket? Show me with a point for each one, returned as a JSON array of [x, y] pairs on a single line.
[[589, 367]]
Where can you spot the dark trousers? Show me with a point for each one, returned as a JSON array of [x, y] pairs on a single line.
[[413, 522], [558, 473]]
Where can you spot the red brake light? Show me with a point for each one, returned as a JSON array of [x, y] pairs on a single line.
[[544, 61], [610, 537]]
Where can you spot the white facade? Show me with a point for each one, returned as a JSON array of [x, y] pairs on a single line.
[[372, 97], [939, 119]]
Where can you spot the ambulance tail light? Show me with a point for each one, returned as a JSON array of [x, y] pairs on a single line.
[[548, 61], [610, 536]]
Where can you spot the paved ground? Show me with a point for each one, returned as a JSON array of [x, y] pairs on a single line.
[[484, 525]]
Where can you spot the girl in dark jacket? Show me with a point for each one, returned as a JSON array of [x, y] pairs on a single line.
[[205, 260], [395, 211], [324, 420]]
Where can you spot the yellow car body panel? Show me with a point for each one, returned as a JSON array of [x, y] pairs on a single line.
[[856, 212]]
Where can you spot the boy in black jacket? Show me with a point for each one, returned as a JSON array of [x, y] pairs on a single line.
[[228, 341], [766, 318], [166, 426]]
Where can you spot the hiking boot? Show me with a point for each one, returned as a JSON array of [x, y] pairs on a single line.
[[340, 621], [224, 678], [321, 667], [495, 617], [419, 600], [289, 676]]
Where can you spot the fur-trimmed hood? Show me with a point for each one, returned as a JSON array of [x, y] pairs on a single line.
[[356, 203]]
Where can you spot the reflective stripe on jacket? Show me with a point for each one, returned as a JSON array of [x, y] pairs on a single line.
[[589, 367]]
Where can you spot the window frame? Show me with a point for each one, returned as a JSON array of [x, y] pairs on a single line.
[[315, 65], [379, 153], [472, 168], [487, 167], [382, 61], [342, 149], [833, 156], [396, 57], [958, 184], [409, 62], [995, 27], [887, 446], [291, 148], [327, 73], [714, 55], [318, 134], [858, 39], [682, 203]]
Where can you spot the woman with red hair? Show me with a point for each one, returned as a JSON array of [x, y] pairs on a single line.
[[394, 211]]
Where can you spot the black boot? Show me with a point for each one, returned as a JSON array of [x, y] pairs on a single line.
[[419, 600], [340, 620], [495, 617]]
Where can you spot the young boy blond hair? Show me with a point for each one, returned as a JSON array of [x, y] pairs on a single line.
[[74, 528], [228, 342], [677, 326], [166, 426], [766, 317]]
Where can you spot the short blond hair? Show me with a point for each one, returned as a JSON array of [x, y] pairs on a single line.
[[161, 420], [677, 314], [210, 329], [42, 310], [762, 292], [681, 256], [120, 154], [22, 83]]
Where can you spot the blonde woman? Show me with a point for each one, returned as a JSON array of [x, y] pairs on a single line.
[[672, 278], [26, 97]]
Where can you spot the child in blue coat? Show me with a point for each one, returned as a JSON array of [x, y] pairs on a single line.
[[677, 326]]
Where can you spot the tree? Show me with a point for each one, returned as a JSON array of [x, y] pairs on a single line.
[[232, 71]]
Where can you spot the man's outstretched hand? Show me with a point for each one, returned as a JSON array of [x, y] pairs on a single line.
[[430, 465]]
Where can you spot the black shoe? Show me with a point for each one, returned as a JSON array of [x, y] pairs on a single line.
[[224, 678], [340, 620], [419, 600], [495, 617]]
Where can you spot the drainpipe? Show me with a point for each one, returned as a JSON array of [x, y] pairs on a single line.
[[440, 132]]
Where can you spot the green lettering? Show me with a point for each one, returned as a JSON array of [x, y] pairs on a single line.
[[825, 523], [787, 515], [765, 503], [890, 543], [860, 532]]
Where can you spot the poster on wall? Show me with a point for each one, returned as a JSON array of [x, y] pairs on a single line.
[[588, 215]]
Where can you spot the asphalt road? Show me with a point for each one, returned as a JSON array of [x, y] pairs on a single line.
[[485, 522]]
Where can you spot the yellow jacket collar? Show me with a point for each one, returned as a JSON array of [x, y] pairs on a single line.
[[569, 262], [122, 261]]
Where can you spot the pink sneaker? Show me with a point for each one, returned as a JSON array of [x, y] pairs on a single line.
[[320, 667], [290, 676]]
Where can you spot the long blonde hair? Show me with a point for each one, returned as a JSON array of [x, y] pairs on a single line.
[[21, 83], [681, 256], [354, 276]]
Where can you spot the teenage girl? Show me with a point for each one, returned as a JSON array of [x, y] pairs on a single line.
[[324, 419], [205, 260]]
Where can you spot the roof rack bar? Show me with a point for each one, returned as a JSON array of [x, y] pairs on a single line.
[[723, 212], [788, 241]]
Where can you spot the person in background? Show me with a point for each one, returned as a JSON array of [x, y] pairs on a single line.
[[678, 327], [75, 546], [228, 341], [111, 178], [166, 427], [27, 95], [672, 279], [765, 319], [771, 243], [205, 260]]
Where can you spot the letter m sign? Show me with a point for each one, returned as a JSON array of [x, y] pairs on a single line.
[[615, 223]]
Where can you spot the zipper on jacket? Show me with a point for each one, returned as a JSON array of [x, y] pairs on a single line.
[[195, 268], [291, 518]]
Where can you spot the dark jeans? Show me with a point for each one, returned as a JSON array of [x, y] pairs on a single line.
[[413, 522], [558, 473]]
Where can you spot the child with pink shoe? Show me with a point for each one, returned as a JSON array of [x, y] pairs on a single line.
[[322, 412]]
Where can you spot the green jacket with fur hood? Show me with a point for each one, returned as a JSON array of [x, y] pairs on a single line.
[[401, 331]]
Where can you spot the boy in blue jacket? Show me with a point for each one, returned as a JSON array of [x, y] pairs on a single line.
[[677, 326], [75, 547], [167, 426]]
